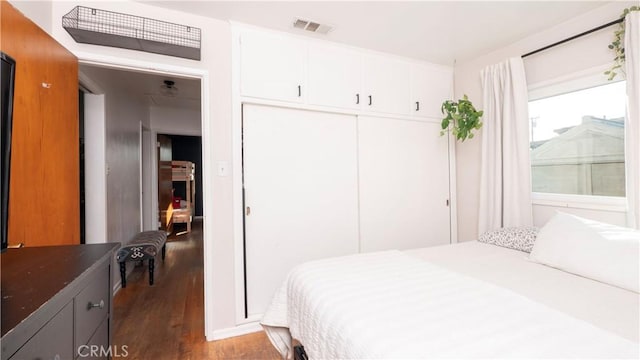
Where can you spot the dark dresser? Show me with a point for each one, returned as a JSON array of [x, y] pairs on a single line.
[[56, 301]]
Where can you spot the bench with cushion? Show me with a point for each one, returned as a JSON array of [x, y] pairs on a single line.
[[144, 246]]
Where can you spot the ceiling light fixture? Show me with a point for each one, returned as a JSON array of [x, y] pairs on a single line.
[[169, 88]]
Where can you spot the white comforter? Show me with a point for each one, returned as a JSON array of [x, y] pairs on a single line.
[[392, 305]]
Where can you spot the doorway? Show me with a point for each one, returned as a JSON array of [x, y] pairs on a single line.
[[185, 188], [138, 137]]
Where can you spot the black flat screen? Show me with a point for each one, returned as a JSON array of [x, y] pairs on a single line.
[[7, 79]]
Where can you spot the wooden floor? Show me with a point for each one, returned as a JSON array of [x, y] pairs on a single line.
[[166, 320]]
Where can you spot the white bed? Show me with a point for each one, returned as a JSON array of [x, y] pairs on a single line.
[[468, 300]]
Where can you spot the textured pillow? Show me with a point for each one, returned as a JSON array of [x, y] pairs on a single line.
[[518, 238], [595, 250]]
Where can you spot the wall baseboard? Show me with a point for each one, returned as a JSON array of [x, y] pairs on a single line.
[[116, 287], [239, 330]]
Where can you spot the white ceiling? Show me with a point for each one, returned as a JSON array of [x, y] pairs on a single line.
[[435, 31], [147, 85]]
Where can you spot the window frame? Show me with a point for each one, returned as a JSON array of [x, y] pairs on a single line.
[[561, 85]]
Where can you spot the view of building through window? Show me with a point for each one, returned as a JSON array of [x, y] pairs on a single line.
[[577, 142]]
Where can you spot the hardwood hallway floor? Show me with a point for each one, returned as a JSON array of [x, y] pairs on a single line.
[[166, 320]]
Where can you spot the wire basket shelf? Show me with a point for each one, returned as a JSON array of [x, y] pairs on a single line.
[[108, 28]]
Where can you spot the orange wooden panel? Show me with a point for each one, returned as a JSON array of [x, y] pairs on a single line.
[[44, 206]]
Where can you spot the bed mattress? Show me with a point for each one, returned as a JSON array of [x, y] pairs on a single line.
[[464, 300]]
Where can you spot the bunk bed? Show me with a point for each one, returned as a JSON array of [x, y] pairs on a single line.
[[184, 171]]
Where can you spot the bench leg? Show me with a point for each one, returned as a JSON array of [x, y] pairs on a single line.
[[151, 267], [164, 250], [123, 274]]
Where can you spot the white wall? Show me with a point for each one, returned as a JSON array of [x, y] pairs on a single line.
[[176, 121], [467, 81], [149, 213], [216, 65], [123, 113], [95, 178], [38, 11]]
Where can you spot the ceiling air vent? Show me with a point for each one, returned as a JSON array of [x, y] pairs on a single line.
[[311, 26]]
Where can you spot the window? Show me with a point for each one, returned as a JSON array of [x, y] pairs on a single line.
[[577, 142]]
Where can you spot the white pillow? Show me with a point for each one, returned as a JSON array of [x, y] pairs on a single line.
[[599, 251]]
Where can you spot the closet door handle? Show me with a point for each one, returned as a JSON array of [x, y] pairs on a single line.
[[370, 100], [299, 91], [417, 105], [357, 99]]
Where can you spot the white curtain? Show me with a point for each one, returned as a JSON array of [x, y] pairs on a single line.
[[632, 127], [505, 181]]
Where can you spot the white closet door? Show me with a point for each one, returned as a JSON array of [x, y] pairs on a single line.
[[300, 176], [404, 184]]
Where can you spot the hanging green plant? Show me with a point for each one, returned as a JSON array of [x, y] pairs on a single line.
[[462, 117], [617, 45]]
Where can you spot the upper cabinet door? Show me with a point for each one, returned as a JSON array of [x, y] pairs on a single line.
[[272, 66], [430, 87], [334, 76], [386, 84]]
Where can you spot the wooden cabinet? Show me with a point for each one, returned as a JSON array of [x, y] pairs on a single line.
[[403, 184], [346, 78], [53, 341], [91, 305], [369, 174], [100, 338], [56, 300], [335, 76], [385, 84], [272, 66], [45, 167], [276, 66], [430, 86], [301, 193]]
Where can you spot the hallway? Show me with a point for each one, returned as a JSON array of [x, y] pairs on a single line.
[[166, 320]]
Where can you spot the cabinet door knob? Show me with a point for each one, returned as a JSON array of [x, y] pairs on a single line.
[[99, 305], [417, 105], [370, 99], [248, 210], [357, 99], [299, 90]]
